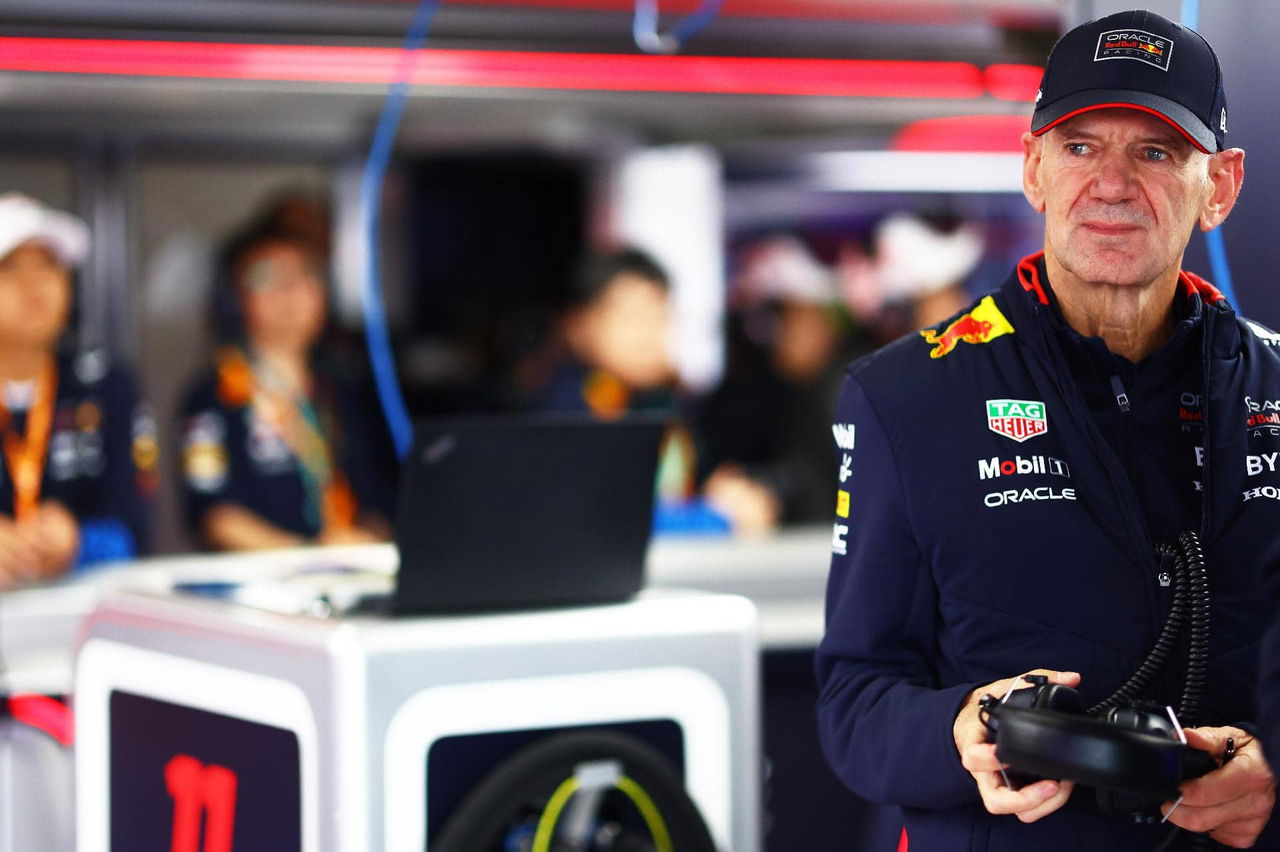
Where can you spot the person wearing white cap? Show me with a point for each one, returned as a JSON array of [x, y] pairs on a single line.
[[78, 452]]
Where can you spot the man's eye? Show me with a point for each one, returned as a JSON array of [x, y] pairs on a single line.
[[1077, 148], [1156, 155]]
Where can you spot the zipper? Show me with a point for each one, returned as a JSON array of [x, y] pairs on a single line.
[[1131, 517], [1122, 398], [1206, 342]]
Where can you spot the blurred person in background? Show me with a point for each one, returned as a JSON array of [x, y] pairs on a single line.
[[278, 448], [79, 450], [764, 451], [914, 277], [612, 357], [763, 445], [616, 335]]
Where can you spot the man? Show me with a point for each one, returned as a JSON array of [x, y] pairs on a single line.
[[1006, 476]]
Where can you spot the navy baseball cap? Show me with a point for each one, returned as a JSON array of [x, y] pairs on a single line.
[[1137, 60]]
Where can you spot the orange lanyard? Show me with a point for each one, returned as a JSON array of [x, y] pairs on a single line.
[[25, 454], [311, 449], [239, 385]]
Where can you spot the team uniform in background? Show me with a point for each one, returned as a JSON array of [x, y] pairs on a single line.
[[100, 453], [1003, 483], [239, 448]]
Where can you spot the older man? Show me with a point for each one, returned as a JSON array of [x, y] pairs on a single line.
[[1007, 477]]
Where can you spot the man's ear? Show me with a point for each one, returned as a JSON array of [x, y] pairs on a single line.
[[1032, 152], [1226, 171]]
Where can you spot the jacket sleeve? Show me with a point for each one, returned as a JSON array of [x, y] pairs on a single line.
[[118, 523], [884, 723], [208, 452]]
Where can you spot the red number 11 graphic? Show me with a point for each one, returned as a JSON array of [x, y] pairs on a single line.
[[201, 790]]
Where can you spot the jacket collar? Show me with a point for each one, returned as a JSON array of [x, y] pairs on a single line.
[[1029, 298]]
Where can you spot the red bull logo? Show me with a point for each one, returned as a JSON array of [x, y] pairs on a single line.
[[981, 325]]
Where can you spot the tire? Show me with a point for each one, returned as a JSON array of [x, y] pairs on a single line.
[[482, 819]]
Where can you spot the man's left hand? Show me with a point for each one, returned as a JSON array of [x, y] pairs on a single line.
[[1232, 803]]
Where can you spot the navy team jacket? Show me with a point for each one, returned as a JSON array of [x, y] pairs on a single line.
[[102, 458], [984, 527]]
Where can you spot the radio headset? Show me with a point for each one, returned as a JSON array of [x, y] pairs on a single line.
[[1132, 752]]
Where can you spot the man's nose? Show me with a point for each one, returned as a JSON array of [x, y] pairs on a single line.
[[1113, 180]]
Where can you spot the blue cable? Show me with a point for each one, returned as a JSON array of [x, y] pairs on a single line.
[[1191, 14], [1220, 268], [375, 172], [644, 28]]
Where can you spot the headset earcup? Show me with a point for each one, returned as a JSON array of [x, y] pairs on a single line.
[[1063, 699], [1090, 751]]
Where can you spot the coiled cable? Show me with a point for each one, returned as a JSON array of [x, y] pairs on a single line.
[[1189, 609]]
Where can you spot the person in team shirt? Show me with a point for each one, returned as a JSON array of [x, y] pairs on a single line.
[[79, 449], [278, 449]]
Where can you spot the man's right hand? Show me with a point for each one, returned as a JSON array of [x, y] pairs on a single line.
[[979, 756], [19, 559]]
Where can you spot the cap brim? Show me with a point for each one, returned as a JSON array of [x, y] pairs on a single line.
[[66, 235], [1174, 114]]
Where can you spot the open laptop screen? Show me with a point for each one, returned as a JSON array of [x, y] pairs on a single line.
[[506, 513]]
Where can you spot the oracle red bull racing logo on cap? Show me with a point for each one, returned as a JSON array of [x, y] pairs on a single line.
[[1019, 419], [1134, 44], [982, 324]]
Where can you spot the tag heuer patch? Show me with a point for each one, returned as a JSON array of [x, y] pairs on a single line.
[[1134, 44], [1018, 419]]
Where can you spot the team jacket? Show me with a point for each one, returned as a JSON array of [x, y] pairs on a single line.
[[231, 455], [985, 526], [101, 459]]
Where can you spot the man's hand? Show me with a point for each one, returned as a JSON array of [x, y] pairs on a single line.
[[56, 537], [752, 508], [348, 535], [1232, 803], [979, 757], [19, 560]]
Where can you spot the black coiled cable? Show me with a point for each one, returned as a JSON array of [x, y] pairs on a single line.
[[1190, 608]]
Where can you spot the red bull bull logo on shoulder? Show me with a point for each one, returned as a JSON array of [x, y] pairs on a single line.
[[981, 325]]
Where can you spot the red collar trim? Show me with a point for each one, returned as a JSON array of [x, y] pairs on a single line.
[[1192, 283], [1029, 278]]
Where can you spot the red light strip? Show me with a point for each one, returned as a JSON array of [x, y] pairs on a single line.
[[497, 69], [836, 10], [1013, 82], [970, 133]]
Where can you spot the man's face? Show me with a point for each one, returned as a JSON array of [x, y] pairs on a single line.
[[1121, 191]]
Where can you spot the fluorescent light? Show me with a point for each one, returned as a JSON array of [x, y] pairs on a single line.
[[910, 171]]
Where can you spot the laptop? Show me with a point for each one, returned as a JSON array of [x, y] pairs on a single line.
[[507, 513]]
